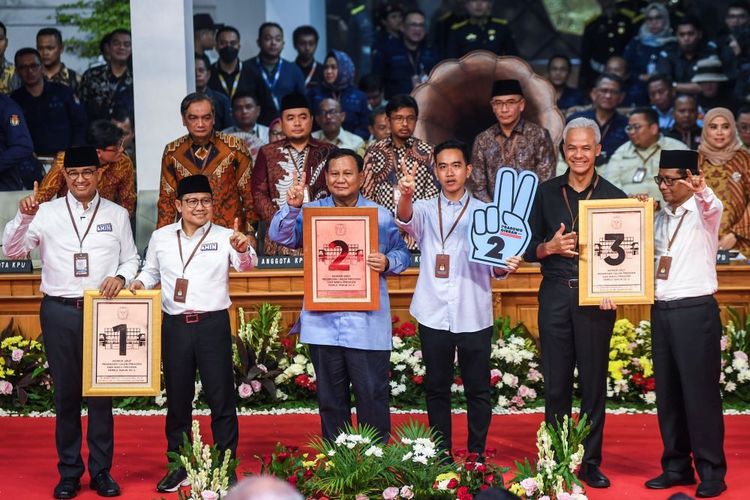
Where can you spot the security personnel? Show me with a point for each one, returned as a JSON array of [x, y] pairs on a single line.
[[441, 26], [480, 32], [85, 243], [15, 144], [191, 259], [604, 36]]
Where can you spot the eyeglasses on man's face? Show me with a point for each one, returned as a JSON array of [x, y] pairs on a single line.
[[86, 174], [668, 181], [402, 119], [194, 202]]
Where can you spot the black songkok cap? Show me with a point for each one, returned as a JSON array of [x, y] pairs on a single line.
[[83, 156], [672, 158], [193, 184], [293, 101], [506, 87]]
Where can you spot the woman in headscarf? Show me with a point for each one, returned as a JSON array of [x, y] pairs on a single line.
[[726, 166], [338, 78], [642, 51]]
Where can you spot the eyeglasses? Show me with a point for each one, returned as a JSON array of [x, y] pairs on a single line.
[[668, 181], [86, 174], [633, 128], [329, 113], [28, 67], [505, 104], [193, 202], [402, 119]]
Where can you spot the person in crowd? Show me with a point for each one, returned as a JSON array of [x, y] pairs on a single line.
[[8, 79], [224, 159], [641, 53], [372, 86], [224, 118], [280, 161], [686, 329], [480, 31], [50, 45], [513, 142], [604, 36], [453, 306], [635, 163], [305, 40], [685, 128], [124, 122], [446, 15], [245, 110], [390, 17], [117, 174], [737, 35], [386, 158], [379, 129], [338, 83], [75, 259], [280, 77], [607, 95], [558, 73], [405, 63], [195, 325], [55, 119], [631, 92], [743, 126], [726, 167], [275, 131], [18, 167], [661, 98], [329, 118], [105, 87], [713, 83], [204, 35], [264, 488], [572, 335], [339, 351]]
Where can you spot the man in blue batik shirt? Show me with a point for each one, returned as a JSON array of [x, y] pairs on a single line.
[[350, 347]]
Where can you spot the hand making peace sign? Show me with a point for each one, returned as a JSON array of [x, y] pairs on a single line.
[[295, 195], [407, 185]]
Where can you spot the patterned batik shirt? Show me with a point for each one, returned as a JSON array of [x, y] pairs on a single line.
[[101, 91], [9, 81], [66, 76]]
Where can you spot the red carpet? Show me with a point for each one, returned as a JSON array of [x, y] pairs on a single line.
[[631, 451]]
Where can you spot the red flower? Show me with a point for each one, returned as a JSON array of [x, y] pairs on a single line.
[[463, 490], [490, 452], [287, 342], [282, 456], [458, 381], [480, 468], [408, 329], [302, 380], [484, 487], [452, 484], [395, 319], [489, 479], [472, 457], [417, 379], [293, 449], [292, 480], [494, 380], [313, 386], [308, 474], [461, 453]]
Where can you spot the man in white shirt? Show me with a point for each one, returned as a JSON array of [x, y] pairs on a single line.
[[330, 117], [85, 243], [191, 258], [686, 328]]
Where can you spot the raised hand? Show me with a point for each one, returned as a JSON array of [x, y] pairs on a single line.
[[563, 244], [238, 240], [295, 196], [501, 229], [28, 205], [696, 183], [408, 182]]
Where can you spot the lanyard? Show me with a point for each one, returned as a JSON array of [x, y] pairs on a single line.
[[415, 62], [179, 245], [235, 81], [646, 159], [270, 84], [311, 73], [299, 159], [91, 222], [674, 235], [455, 223], [567, 203]]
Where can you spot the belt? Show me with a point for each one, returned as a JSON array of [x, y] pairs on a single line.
[[570, 283], [689, 302], [195, 317], [67, 301]]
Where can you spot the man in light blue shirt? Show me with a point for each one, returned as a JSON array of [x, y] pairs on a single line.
[[347, 347], [453, 298]]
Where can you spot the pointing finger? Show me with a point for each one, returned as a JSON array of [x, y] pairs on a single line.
[[236, 224]]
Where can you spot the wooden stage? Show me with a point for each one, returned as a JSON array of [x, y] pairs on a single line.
[[516, 296]]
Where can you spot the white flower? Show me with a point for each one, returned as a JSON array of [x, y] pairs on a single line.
[[400, 367], [649, 397], [397, 342], [331, 453], [281, 396], [502, 402], [374, 451], [300, 359], [510, 380]]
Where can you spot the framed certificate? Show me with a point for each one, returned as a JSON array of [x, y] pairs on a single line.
[[616, 251], [122, 344], [336, 244]]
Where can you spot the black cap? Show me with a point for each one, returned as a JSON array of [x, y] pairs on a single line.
[[204, 22], [672, 158], [506, 87], [193, 184], [83, 156], [293, 101]]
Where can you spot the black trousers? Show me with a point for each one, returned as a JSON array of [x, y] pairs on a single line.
[[571, 336], [686, 343], [207, 346], [336, 368], [438, 352], [62, 333]]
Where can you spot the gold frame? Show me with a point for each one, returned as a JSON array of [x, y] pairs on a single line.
[[586, 208], [313, 214], [91, 298]]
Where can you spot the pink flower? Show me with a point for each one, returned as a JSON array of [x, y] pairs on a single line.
[[523, 391], [245, 391], [724, 342], [418, 354], [495, 373], [577, 490], [209, 495], [255, 385], [361, 496], [517, 401], [262, 368], [534, 375], [564, 496], [406, 492], [740, 355], [16, 355], [390, 493], [6, 388], [529, 484]]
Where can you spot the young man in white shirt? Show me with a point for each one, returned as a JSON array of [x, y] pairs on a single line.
[[85, 242], [686, 328], [191, 259], [453, 298]]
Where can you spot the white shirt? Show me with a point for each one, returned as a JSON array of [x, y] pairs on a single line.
[[207, 273], [344, 140], [109, 244], [693, 269]]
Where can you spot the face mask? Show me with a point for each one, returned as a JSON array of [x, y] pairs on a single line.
[[228, 54]]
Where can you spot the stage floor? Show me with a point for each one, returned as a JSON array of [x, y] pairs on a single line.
[[631, 451]]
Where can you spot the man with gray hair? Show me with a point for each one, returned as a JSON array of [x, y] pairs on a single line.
[[263, 488], [572, 335]]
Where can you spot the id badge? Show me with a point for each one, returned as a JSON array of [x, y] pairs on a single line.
[[442, 265], [396, 197], [662, 268], [180, 290], [80, 265], [306, 194], [639, 175]]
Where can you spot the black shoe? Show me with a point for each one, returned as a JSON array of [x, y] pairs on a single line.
[[593, 476], [104, 485], [669, 479], [172, 481], [710, 488], [67, 487]]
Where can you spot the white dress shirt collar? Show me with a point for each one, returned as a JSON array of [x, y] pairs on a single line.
[[78, 206]]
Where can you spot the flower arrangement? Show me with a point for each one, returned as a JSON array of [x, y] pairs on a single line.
[[25, 381], [631, 372], [514, 360], [257, 352], [298, 375], [735, 347]]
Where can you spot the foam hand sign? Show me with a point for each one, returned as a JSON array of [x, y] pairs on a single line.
[[501, 229]]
